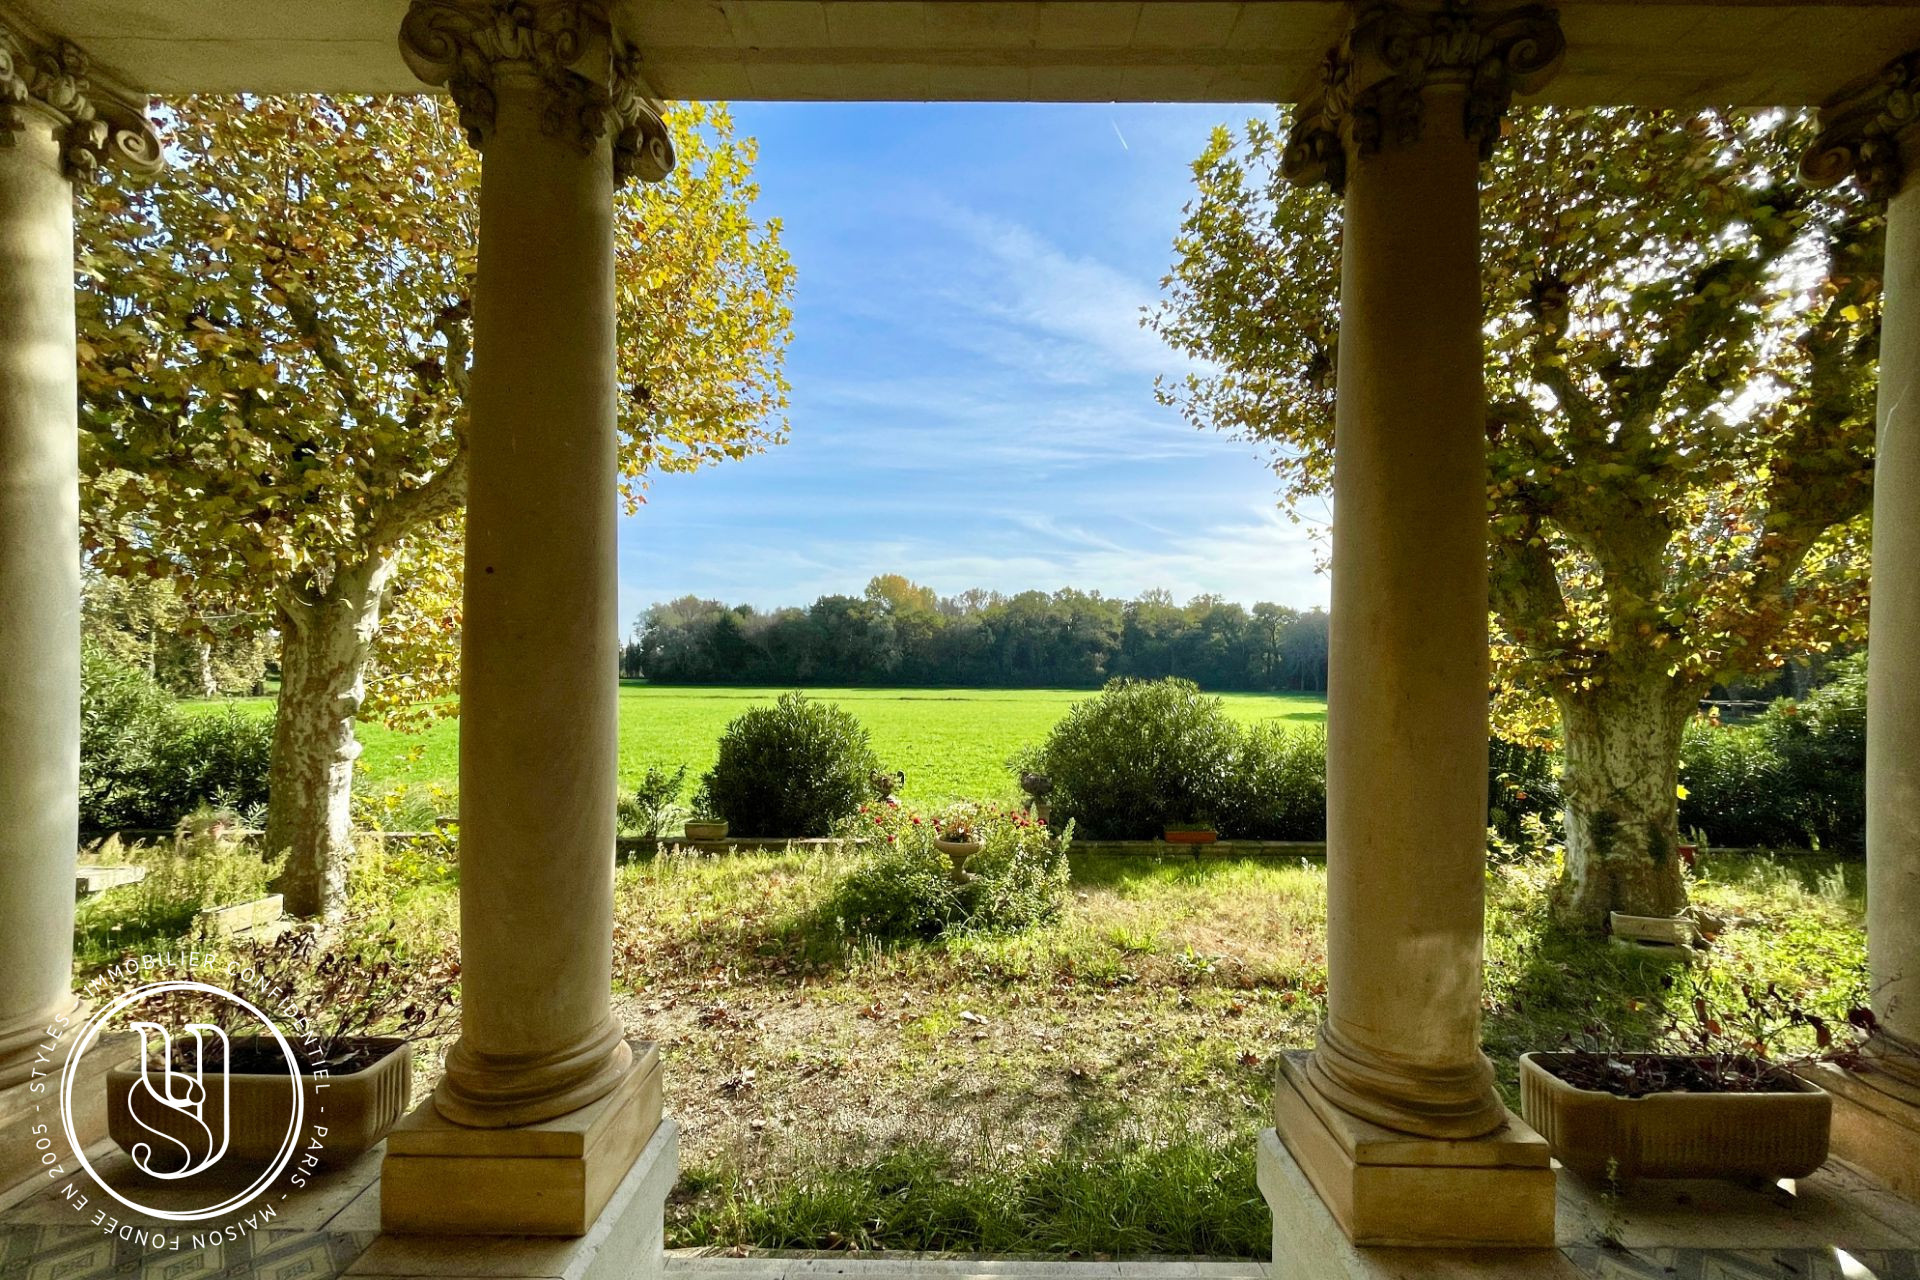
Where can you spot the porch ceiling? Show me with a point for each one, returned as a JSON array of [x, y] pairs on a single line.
[[1640, 52]]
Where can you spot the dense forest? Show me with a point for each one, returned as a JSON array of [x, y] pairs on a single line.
[[897, 632]]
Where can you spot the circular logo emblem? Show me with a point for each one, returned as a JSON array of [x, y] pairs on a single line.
[[181, 1097]]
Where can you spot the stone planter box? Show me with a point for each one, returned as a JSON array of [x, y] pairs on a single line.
[[356, 1110], [697, 830], [1602, 1137], [1190, 835], [241, 916], [1670, 931]]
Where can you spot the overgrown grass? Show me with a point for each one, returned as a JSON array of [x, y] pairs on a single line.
[[952, 743], [1090, 1087]]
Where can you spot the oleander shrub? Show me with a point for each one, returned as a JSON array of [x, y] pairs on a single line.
[[1276, 788], [792, 769], [143, 763], [903, 887], [1793, 776], [1139, 756]]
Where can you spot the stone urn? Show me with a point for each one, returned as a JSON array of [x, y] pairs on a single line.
[[957, 851], [706, 828], [253, 1106], [1780, 1131]]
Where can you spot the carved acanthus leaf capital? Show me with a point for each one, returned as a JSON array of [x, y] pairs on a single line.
[[1862, 130], [94, 126], [588, 80], [1375, 82]]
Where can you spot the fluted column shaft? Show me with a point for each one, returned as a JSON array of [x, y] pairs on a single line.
[[1412, 103], [55, 128], [541, 92], [39, 593]]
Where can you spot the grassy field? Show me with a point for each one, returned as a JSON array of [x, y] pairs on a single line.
[[952, 743]]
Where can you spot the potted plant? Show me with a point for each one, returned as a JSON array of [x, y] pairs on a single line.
[[654, 805], [1190, 833], [364, 1010], [703, 823], [958, 836], [1713, 1102]]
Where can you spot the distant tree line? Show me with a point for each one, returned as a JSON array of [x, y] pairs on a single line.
[[898, 632]]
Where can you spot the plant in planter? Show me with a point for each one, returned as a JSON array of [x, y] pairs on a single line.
[[886, 785], [703, 823], [957, 834], [655, 804], [1718, 1099], [364, 1001], [1190, 833]]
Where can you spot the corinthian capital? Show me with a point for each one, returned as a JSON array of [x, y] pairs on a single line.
[[1861, 131], [94, 126], [1375, 82], [588, 78]]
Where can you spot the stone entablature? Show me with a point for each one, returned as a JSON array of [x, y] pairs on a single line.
[[1375, 82], [94, 125], [589, 75]]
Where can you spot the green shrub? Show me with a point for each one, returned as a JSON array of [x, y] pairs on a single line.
[[1277, 787], [1140, 756], [144, 764], [1522, 782], [124, 716], [219, 760], [903, 887], [792, 769], [1793, 776], [654, 806]]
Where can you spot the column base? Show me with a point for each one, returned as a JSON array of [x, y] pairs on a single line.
[[547, 1179], [22, 1110], [625, 1242], [1876, 1123], [1385, 1188], [1308, 1244]]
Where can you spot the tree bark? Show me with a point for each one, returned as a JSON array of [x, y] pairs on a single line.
[[325, 643], [1622, 743]]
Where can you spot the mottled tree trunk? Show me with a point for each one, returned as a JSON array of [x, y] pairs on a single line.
[[325, 643], [1622, 743], [203, 658]]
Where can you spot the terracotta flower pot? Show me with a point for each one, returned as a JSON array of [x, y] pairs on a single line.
[[356, 1110], [1781, 1133], [957, 851], [706, 829], [1190, 835]]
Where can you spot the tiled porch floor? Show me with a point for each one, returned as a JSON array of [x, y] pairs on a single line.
[[1836, 1225]]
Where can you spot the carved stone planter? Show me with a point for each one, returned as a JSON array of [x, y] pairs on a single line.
[[957, 851], [254, 1109], [706, 829], [1781, 1133]]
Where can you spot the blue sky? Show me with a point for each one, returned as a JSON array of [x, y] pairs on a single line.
[[972, 390]]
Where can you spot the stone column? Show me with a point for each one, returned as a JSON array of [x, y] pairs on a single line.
[[55, 128], [1413, 102], [546, 93], [1870, 134]]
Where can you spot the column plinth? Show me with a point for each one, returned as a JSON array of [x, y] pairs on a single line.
[[1412, 102]]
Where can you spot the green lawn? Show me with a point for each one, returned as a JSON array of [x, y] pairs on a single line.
[[952, 743]]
